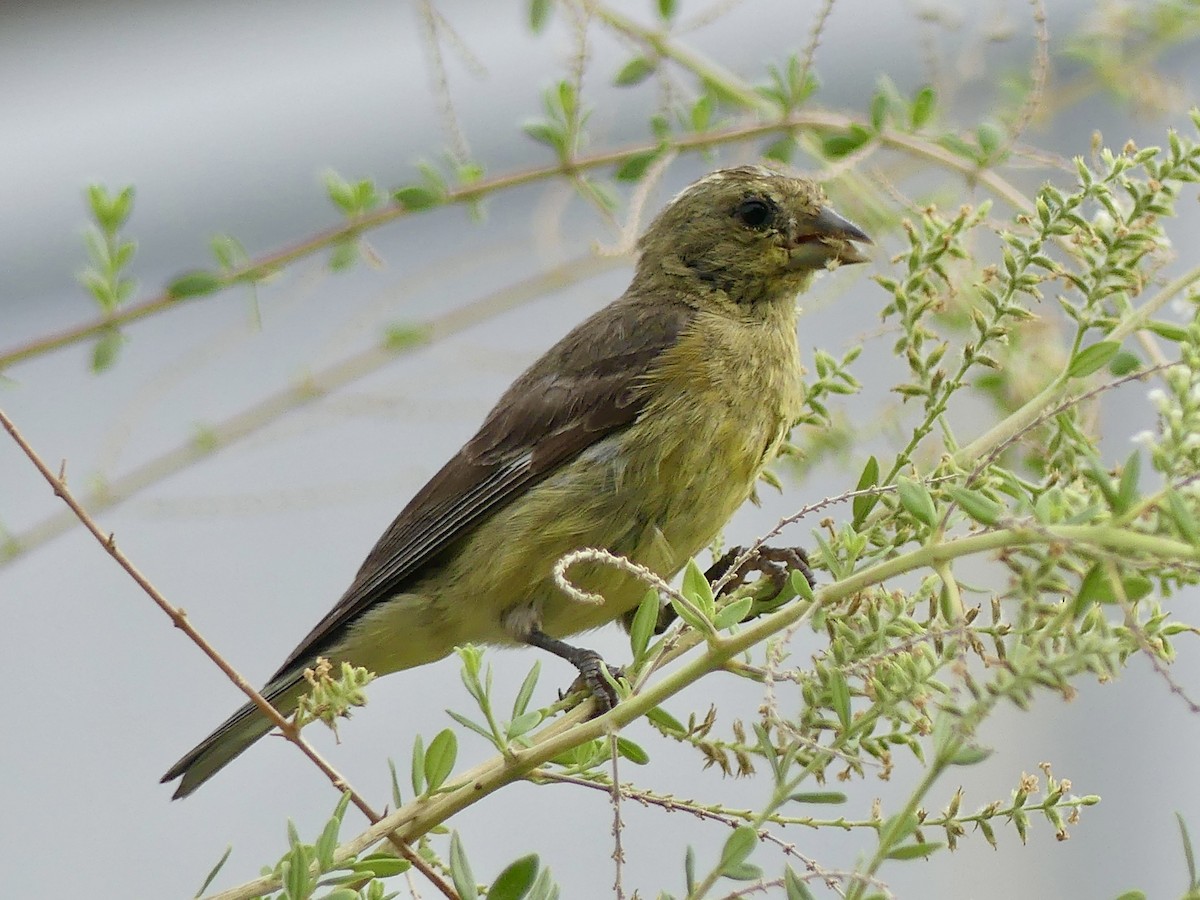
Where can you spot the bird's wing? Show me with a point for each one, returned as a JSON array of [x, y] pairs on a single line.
[[586, 387]]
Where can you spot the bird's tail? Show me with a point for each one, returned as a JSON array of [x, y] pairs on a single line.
[[231, 738]]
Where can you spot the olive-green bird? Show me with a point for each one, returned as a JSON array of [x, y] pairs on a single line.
[[640, 432]]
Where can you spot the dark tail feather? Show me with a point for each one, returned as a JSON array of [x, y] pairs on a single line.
[[230, 739]]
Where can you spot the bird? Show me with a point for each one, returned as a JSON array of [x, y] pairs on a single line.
[[640, 433]]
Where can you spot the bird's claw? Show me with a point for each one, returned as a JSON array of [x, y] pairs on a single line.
[[592, 679]]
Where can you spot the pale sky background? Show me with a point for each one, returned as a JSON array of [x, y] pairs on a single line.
[[224, 115]]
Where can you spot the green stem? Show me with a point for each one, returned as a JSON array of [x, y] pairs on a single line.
[[1027, 415], [892, 836]]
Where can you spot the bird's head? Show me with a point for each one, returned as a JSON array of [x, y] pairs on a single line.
[[751, 233]]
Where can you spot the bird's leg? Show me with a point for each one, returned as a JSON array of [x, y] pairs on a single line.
[[588, 662]]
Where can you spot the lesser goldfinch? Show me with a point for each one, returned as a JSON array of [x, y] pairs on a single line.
[[640, 432]]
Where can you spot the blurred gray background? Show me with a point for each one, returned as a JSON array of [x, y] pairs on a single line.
[[225, 114]]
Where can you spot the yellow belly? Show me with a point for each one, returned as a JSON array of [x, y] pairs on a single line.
[[657, 493]]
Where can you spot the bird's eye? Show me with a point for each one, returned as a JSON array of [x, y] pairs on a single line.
[[755, 212]]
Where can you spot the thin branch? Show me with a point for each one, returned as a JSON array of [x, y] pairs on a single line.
[[1033, 409], [618, 826], [730, 818], [1041, 74], [313, 387], [277, 260], [575, 728], [58, 484], [814, 39]]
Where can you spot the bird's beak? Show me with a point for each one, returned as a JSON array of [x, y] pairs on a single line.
[[827, 238]]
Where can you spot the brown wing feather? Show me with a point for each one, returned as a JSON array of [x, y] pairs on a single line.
[[584, 388]]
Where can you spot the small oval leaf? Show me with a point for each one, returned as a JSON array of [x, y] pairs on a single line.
[[915, 498], [1093, 358], [516, 880], [440, 758], [738, 847], [915, 851]]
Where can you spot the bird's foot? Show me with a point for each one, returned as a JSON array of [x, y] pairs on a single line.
[[591, 668]]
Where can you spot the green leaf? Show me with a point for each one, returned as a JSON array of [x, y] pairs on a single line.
[[123, 254], [880, 106], [1189, 853], [666, 9], [990, 137], [899, 826], [215, 870], [524, 723], [697, 589], [664, 721], [733, 613], [922, 107], [1184, 519], [228, 251], [415, 198], [397, 800], [586, 754], [980, 508], [781, 150], [743, 872], [539, 14], [1132, 895], [1096, 587], [194, 284], [516, 880], [969, 756], [381, 865], [110, 211], [836, 146], [868, 479], [401, 336], [106, 349], [688, 614], [915, 851], [328, 840], [635, 71], [460, 869], [795, 886], [839, 697], [1091, 359], [738, 847], [440, 758], [642, 627], [800, 585], [989, 833], [915, 498], [1124, 363], [635, 166], [1127, 486], [526, 691], [632, 752], [819, 797], [418, 765], [340, 192], [469, 173], [1095, 471], [1172, 331], [545, 888]]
